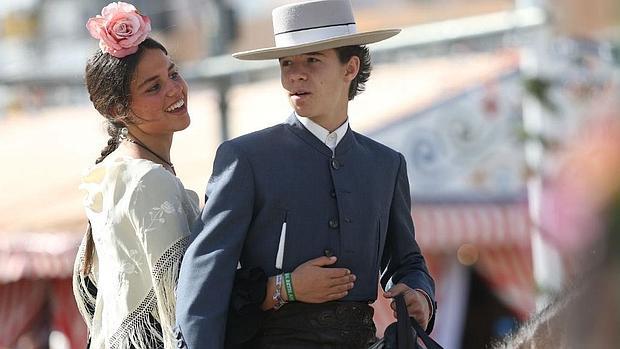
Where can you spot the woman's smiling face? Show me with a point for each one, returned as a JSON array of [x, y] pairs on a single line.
[[158, 95]]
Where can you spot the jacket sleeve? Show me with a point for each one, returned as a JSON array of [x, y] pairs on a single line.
[[209, 265], [402, 259]]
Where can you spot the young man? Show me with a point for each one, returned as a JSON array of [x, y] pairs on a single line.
[[307, 188]]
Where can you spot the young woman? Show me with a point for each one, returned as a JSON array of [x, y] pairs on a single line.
[[138, 210]]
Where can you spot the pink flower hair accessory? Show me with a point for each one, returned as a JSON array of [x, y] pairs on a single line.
[[120, 29]]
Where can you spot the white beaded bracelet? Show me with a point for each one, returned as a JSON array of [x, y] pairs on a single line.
[[277, 293]]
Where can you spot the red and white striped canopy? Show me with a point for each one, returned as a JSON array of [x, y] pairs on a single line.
[[37, 256], [445, 227]]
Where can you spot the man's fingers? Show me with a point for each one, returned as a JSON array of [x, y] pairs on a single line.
[[343, 279], [336, 296], [335, 273], [341, 288], [395, 290], [323, 261]]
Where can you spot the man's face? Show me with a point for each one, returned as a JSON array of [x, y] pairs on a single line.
[[317, 84]]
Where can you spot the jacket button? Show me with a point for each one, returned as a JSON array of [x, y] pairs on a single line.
[[347, 219], [333, 193], [335, 164], [328, 252], [333, 223]]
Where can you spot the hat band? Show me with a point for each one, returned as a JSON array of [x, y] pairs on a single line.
[[306, 36]]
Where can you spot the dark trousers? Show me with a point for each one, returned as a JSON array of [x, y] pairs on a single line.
[[332, 325]]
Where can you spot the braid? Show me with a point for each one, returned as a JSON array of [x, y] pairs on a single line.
[[114, 129]]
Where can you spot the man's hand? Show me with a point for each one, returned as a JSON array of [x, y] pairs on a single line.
[[313, 283], [417, 304]]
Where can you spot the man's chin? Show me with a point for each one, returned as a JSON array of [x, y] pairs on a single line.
[[303, 114]]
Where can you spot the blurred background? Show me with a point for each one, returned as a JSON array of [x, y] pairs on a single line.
[[488, 100]]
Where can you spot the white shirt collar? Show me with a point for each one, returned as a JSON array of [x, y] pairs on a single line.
[[323, 134]]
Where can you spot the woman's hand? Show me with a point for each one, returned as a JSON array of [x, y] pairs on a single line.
[[313, 283]]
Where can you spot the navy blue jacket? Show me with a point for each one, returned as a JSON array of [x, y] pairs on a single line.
[[356, 204]]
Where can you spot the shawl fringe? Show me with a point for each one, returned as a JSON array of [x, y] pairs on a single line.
[[139, 330]]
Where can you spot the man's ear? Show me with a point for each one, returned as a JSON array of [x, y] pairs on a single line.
[[352, 68]]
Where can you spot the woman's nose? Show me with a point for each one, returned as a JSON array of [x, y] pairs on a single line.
[[175, 89]]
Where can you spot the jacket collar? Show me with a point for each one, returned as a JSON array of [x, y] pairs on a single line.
[[302, 132]]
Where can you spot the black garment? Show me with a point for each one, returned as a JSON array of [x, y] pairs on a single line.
[[332, 325], [245, 315]]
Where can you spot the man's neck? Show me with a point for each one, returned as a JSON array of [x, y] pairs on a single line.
[[331, 122]]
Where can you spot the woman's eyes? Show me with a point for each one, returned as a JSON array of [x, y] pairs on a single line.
[[174, 76], [153, 88]]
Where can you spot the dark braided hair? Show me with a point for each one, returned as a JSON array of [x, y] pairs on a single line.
[[108, 81], [358, 85]]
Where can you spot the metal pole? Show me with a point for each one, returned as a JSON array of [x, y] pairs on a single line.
[[223, 85], [546, 261], [224, 34]]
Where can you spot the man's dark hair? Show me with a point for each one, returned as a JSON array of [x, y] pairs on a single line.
[[344, 54]]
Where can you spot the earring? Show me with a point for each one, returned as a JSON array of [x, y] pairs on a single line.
[[123, 133]]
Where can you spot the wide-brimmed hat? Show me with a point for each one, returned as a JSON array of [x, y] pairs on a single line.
[[314, 26]]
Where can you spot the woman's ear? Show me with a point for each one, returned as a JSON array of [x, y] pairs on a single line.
[[116, 111]]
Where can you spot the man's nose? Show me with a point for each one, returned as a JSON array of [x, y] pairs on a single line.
[[297, 73]]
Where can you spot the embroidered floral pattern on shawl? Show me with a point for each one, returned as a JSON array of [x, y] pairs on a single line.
[[140, 215]]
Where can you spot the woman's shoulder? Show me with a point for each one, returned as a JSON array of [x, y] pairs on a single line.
[[125, 169], [124, 175]]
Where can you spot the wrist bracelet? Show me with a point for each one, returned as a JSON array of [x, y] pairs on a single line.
[[288, 284], [277, 293]]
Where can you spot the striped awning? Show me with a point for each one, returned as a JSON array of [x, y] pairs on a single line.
[[20, 305], [507, 270], [509, 273], [35, 256], [30, 308], [448, 226]]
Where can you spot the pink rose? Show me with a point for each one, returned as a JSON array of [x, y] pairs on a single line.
[[120, 29]]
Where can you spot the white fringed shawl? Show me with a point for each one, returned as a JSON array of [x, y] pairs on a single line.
[[140, 216]]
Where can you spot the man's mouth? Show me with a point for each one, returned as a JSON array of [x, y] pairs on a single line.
[[299, 93]]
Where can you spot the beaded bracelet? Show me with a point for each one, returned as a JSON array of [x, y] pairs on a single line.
[[288, 283], [277, 293]]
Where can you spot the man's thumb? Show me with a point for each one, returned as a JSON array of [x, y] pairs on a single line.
[[323, 261], [396, 289]]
